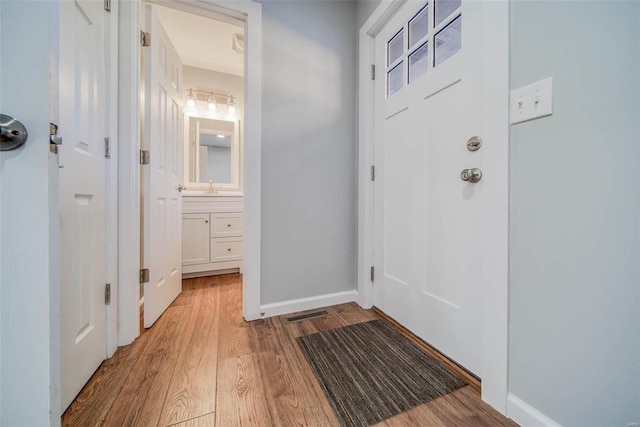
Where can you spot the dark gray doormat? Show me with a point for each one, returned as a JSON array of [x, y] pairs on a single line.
[[370, 372]]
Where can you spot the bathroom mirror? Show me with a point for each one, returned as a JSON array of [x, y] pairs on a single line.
[[212, 153]]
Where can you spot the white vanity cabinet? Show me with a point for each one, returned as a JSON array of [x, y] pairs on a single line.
[[212, 235]]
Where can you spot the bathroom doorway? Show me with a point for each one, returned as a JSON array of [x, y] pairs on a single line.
[[211, 88]]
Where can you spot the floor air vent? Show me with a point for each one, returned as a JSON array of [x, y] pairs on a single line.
[[306, 316]]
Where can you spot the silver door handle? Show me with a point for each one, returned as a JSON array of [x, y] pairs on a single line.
[[13, 134], [181, 187], [472, 175]]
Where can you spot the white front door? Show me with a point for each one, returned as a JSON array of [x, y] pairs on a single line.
[[82, 113], [428, 221], [162, 210]]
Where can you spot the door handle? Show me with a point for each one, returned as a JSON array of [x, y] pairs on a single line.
[[181, 187], [13, 134], [472, 175]]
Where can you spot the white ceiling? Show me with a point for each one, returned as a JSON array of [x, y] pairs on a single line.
[[202, 42]]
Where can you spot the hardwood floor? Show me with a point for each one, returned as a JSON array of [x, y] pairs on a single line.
[[201, 364]]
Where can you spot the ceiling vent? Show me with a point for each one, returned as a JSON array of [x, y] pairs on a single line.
[[237, 42]]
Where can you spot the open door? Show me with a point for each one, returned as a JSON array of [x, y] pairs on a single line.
[[82, 172], [162, 209]]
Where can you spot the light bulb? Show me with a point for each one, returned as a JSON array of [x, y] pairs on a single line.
[[190, 103], [211, 104], [232, 107]]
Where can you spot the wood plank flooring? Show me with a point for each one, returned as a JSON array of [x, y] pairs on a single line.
[[202, 365]]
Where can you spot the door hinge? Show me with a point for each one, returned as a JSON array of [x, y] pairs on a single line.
[[107, 148], [145, 39], [107, 294], [373, 173], [145, 157], [373, 72], [107, 5], [373, 273], [144, 275]]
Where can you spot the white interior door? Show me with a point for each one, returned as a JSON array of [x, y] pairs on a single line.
[[82, 112], [428, 238], [162, 241]]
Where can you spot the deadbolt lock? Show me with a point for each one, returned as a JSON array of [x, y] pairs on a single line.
[[474, 143]]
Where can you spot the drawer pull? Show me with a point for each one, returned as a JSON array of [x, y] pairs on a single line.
[[228, 249], [206, 221], [228, 225]]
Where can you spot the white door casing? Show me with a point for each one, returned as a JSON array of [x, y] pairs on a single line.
[[162, 233], [492, 278], [82, 171]]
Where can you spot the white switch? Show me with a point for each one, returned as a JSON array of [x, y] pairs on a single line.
[[532, 101]]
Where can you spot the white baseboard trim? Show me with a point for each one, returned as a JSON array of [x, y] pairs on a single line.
[[311, 303], [526, 415]]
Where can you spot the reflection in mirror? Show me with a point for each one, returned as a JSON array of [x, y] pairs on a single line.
[[213, 151], [215, 158]]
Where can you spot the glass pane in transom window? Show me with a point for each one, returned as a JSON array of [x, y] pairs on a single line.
[[418, 62], [445, 8], [394, 47], [394, 79], [448, 41], [419, 26]]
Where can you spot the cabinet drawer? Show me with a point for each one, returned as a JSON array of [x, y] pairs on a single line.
[[227, 225], [227, 249]]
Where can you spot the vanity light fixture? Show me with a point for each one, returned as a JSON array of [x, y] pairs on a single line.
[[214, 101], [232, 107], [190, 103], [211, 103]]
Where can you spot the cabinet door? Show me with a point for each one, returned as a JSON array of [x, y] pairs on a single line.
[[195, 239]]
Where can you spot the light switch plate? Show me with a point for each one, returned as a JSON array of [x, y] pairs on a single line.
[[532, 101]]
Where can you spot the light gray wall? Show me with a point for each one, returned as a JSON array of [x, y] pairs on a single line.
[[575, 214], [309, 205]]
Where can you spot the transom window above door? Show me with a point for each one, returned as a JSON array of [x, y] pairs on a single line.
[[425, 41]]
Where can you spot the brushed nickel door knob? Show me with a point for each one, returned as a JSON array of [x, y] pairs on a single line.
[[472, 175]]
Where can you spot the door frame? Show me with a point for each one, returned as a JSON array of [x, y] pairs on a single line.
[[129, 169], [495, 120]]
